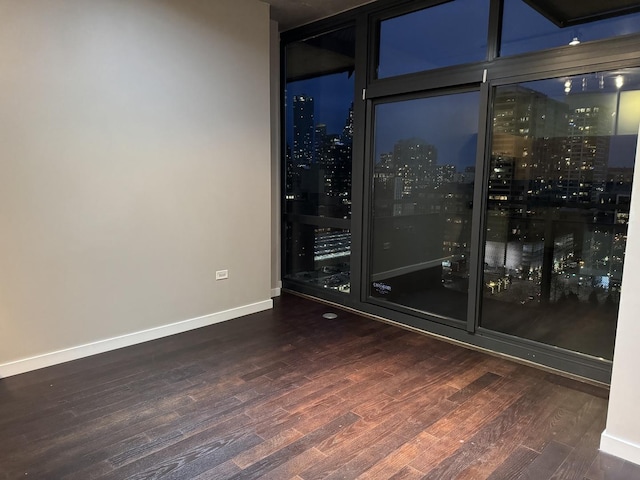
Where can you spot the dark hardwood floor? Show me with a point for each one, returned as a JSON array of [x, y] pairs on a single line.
[[288, 394]]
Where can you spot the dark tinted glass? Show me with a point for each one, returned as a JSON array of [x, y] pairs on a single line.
[[319, 136], [318, 256], [448, 34], [526, 30], [319, 125], [423, 181], [562, 159]]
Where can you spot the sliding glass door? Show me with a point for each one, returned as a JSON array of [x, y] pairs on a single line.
[[423, 185]]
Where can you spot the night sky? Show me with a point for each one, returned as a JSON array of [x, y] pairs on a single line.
[[332, 95], [449, 122]]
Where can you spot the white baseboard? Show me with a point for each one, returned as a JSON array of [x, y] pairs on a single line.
[[101, 346], [275, 292], [620, 448]]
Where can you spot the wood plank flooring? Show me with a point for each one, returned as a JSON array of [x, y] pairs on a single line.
[[287, 394]]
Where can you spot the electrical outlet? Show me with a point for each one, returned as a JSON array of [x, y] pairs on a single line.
[[222, 274]]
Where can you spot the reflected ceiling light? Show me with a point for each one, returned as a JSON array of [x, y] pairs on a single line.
[[575, 41], [567, 86], [619, 81]]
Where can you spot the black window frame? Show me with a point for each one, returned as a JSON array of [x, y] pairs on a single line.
[[599, 55], [321, 28], [366, 273]]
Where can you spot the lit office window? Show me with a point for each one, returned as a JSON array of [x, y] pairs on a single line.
[[319, 256]]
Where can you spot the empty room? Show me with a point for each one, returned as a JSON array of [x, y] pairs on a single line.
[[321, 239]]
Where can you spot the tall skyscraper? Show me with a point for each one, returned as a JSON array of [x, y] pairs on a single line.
[[590, 128], [414, 159], [347, 131], [303, 129]]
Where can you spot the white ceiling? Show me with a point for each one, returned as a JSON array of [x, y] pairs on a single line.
[[293, 13]]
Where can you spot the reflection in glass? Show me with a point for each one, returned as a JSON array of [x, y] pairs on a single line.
[[562, 159], [318, 256], [449, 34], [319, 136], [526, 30], [422, 195]]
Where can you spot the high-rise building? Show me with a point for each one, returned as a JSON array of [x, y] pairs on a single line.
[[414, 159], [590, 129], [529, 146], [320, 143], [347, 131], [303, 130]]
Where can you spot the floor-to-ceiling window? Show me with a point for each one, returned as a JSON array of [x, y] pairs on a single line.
[[424, 140], [489, 197], [423, 185], [561, 170], [318, 155]]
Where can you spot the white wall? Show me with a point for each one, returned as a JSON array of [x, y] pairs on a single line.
[[134, 163], [276, 225], [622, 434]]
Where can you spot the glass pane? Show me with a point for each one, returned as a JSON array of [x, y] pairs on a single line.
[[319, 125], [318, 256], [526, 30], [448, 34], [318, 130], [425, 153], [562, 159]]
